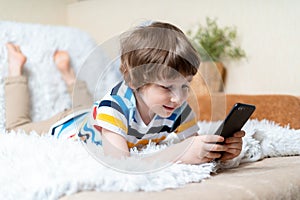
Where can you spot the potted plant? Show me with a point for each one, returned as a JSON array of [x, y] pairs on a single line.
[[214, 44]]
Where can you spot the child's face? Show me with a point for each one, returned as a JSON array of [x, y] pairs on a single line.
[[163, 97]]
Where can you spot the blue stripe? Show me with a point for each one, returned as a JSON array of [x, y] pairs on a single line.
[[128, 94], [123, 105], [115, 90], [112, 105], [173, 116], [85, 128], [133, 116], [65, 125]]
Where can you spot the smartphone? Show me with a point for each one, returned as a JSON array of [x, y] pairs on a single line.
[[235, 120]]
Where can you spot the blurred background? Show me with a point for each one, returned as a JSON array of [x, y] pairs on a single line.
[[267, 30]]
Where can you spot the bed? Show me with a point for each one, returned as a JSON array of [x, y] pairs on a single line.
[[274, 174]]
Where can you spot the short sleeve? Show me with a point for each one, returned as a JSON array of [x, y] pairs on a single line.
[[110, 113]]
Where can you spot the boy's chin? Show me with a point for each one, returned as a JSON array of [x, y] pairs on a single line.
[[165, 114]]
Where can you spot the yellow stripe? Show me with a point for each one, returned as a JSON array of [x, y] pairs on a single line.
[[112, 120], [185, 126]]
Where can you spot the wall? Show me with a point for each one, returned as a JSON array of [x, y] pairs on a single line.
[[268, 32], [34, 11]]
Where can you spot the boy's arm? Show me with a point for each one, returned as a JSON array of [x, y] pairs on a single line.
[[193, 150], [114, 144]]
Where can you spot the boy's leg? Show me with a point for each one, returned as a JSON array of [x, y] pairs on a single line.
[[17, 107], [16, 90], [17, 104], [42, 127], [80, 95], [17, 101]]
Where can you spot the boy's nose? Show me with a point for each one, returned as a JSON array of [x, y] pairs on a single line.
[[178, 97]]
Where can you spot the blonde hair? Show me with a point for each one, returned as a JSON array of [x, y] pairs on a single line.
[[154, 52]]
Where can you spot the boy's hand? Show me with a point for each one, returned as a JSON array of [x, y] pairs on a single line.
[[202, 149], [234, 146]]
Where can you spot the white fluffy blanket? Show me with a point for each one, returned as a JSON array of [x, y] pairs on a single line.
[[42, 167]]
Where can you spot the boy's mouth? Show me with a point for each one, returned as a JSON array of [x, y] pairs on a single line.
[[169, 108]]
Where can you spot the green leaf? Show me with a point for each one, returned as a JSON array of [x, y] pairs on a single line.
[[215, 43]]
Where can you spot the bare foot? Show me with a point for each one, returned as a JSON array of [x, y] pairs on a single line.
[[62, 61], [16, 60]]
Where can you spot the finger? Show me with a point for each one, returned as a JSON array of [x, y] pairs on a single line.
[[234, 151], [214, 147], [234, 146], [213, 155], [239, 134], [234, 140], [206, 160], [211, 138], [204, 157], [227, 156]]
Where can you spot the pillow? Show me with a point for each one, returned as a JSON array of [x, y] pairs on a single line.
[[282, 109]]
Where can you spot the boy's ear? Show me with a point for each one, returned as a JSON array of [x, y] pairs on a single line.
[[131, 85], [128, 81]]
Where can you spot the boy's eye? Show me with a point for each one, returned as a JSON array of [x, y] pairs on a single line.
[[166, 87], [186, 87], [169, 88]]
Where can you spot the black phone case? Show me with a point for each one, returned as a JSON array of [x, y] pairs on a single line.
[[235, 120]]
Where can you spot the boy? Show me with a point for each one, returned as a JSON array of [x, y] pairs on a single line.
[[157, 63]]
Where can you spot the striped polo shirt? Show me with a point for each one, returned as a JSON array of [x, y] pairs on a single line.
[[69, 126], [118, 113]]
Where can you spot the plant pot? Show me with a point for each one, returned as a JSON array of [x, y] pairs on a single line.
[[210, 78]]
